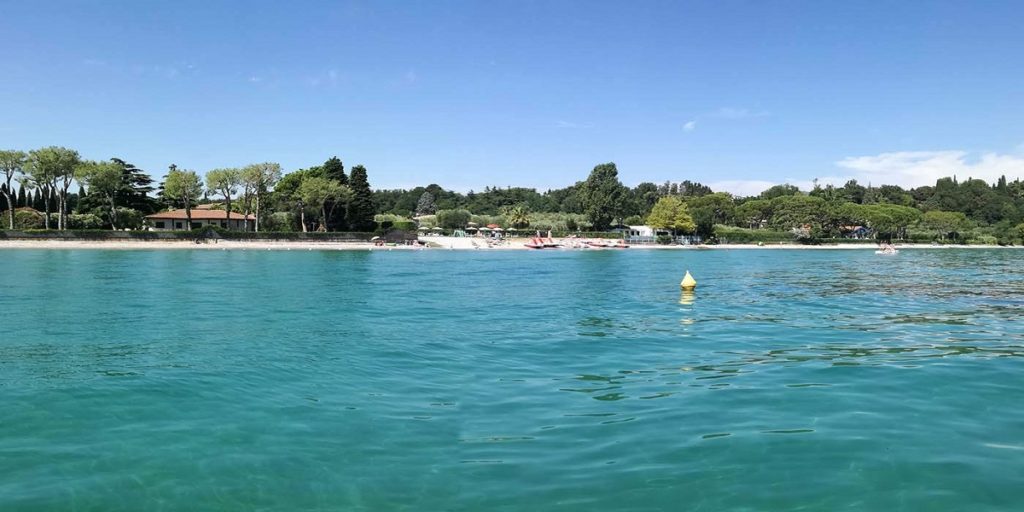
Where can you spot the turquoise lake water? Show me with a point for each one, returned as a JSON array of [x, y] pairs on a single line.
[[439, 380]]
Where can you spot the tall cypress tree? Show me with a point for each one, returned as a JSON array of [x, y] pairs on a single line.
[[334, 170], [360, 210], [22, 202]]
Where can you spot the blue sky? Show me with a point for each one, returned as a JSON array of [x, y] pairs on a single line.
[[526, 93]]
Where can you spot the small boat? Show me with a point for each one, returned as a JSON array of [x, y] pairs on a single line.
[[887, 252]]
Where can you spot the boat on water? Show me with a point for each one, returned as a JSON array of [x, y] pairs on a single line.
[[887, 250]]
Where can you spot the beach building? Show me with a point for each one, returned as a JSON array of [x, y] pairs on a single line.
[[177, 220], [639, 234]]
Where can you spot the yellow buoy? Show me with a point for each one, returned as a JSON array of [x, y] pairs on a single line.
[[688, 282]]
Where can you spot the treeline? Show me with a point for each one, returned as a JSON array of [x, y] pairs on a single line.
[[115, 194], [36, 190], [949, 210]]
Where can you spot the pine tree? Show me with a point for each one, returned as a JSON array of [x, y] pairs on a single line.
[[333, 169], [136, 186], [425, 205], [360, 210], [22, 201]]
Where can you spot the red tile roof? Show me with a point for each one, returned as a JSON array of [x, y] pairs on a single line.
[[200, 215]]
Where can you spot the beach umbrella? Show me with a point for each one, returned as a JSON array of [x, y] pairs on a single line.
[[472, 224], [424, 228], [498, 229], [375, 238], [471, 228], [485, 229], [511, 229], [437, 228]]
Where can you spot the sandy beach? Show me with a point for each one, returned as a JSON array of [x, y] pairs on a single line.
[[433, 243]]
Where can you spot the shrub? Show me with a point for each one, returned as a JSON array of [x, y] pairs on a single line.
[[735, 235], [279, 221], [85, 221], [453, 219], [28, 219], [404, 225]]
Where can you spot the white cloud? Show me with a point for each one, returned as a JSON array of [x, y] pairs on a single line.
[[737, 113], [741, 188], [255, 79], [690, 125], [916, 168], [908, 169]]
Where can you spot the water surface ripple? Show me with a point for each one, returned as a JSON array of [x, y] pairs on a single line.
[[246, 380]]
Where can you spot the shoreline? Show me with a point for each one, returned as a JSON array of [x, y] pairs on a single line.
[[435, 243]]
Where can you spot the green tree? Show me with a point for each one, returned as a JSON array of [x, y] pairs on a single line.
[[719, 207], [52, 169], [796, 211], [945, 223], [185, 187], [360, 208], [12, 163], [670, 212], [136, 185], [425, 205], [104, 180], [224, 182], [323, 195], [260, 178], [754, 213], [333, 169], [779, 191], [453, 219], [518, 216], [602, 196]]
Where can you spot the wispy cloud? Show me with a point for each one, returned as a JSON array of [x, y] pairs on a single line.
[[741, 188], [738, 113], [725, 113], [411, 77], [255, 79]]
